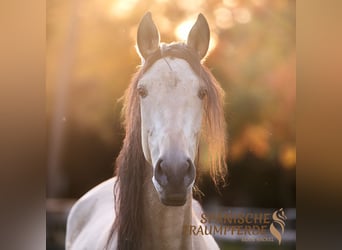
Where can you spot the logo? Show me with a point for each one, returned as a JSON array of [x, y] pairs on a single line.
[[247, 226], [279, 218]]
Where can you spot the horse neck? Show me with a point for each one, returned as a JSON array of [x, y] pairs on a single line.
[[164, 224]]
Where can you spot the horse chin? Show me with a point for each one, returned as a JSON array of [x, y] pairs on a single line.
[[171, 197]]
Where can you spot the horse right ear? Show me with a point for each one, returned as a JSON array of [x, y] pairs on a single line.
[[199, 36], [148, 36]]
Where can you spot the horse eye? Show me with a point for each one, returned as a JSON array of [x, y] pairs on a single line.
[[142, 91], [202, 93]]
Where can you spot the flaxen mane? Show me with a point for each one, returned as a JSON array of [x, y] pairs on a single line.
[[131, 167]]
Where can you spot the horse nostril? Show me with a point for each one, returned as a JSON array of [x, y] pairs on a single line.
[[188, 167], [158, 166], [160, 174], [190, 172]]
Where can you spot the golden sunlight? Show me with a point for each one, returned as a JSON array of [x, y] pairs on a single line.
[[122, 8], [258, 2], [190, 5], [287, 156], [230, 3], [183, 29], [242, 15], [224, 18]]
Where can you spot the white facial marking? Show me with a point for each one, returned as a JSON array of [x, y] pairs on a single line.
[[171, 111]]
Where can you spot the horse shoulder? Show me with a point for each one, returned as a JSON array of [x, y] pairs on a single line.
[[91, 215], [206, 241]]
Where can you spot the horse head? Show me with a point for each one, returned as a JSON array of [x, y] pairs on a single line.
[[171, 106]]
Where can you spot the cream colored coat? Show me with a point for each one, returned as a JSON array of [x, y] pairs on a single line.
[[91, 218]]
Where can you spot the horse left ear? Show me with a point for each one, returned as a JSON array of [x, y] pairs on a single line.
[[148, 36], [199, 36]]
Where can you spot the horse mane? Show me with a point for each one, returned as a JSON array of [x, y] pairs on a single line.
[[131, 166]]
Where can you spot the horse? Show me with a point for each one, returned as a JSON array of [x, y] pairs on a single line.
[[172, 102]]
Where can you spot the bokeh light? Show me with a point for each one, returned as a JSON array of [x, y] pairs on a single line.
[[224, 18], [242, 15], [230, 3], [122, 8], [259, 2], [190, 5], [183, 29]]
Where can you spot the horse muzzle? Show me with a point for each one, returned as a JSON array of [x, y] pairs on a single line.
[[173, 180]]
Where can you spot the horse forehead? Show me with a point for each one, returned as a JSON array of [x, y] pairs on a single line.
[[170, 72]]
